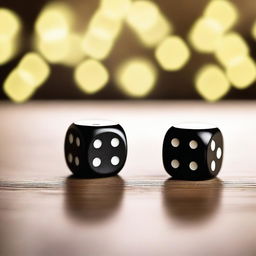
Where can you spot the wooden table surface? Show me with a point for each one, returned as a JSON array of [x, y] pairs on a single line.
[[45, 212]]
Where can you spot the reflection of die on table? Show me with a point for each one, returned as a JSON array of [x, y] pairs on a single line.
[[193, 151], [95, 148]]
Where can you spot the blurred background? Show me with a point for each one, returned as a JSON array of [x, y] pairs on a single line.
[[124, 49]]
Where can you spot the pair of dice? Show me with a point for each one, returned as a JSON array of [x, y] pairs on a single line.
[[98, 148]]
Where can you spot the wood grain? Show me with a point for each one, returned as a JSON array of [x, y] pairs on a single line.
[[45, 211]]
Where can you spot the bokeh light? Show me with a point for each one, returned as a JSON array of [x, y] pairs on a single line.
[[54, 22], [105, 26], [74, 54], [17, 88], [115, 9], [212, 83], [95, 46], [210, 35], [222, 11], [66, 51], [10, 27], [91, 76], [10, 49], [143, 15], [61, 38], [242, 72], [31, 72], [53, 28], [10, 24], [54, 51], [156, 33], [149, 24], [205, 34], [34, 68], [254, 30], [137, 77], [101, 35], [172, 54], [230, 47]]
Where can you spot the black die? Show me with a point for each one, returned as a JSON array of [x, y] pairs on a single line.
[[95, 148], [193, 152]]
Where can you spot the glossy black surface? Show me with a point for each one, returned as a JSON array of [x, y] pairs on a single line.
[[86, 152], [200, 158]]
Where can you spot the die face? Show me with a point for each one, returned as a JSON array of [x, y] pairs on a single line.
[[186, 152], [215, 151], [102, 150], [74, 149], [96, 123], [107, 152]]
